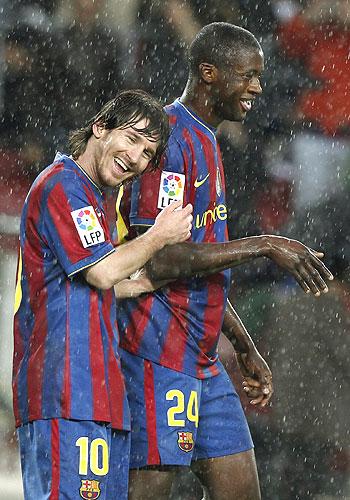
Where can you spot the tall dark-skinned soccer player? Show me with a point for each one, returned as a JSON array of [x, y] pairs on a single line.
[[185, 410]]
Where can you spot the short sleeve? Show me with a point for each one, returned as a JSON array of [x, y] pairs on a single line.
[[75, 228], [154, 190]]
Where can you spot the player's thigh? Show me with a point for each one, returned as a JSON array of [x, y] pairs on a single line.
[[151, 483], [164, 483], [186, 486], [232, 477], [73, 459], [223, 457], [164, 413]]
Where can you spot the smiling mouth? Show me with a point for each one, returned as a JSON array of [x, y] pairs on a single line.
[[246, 104], [119, 163]]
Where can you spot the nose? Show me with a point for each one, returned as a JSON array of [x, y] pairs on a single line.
[[255, 85], [134, 154]]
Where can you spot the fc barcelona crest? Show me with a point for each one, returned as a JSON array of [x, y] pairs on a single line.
[[185, 441], [89, 489]]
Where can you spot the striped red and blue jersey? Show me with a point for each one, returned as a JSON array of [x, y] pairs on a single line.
[[66, 361], [178, 326]]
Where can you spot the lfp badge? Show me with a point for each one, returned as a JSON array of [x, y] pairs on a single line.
[[185, 441], [171, 188], [88, 226], [89, 489]]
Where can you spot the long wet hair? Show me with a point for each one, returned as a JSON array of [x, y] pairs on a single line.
[[126, 109]]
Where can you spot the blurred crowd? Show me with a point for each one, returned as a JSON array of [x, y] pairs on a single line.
[[287, 172]]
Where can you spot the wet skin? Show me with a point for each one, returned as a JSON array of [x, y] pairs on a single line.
[[215, 95], [236, 88], [119, 154]]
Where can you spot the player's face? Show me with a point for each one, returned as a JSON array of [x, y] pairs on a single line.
[[123, 153], [238, 86]]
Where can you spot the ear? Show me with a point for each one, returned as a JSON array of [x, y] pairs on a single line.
[[97, 129], [208, 72]]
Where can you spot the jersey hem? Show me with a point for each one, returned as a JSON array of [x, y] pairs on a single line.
[[189, 373], [20, 423]]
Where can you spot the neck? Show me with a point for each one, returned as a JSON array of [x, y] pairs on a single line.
[[87, 162], [197, 97]]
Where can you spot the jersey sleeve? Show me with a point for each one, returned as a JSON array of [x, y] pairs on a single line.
[[154, 190], [75, 228]]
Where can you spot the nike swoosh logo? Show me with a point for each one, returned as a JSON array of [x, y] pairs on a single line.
[[198, 183]]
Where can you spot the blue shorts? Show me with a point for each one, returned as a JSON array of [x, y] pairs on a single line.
[[176, 418], [63, 459]]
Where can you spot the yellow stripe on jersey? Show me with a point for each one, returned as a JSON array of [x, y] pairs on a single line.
[[18, 293], [122, 230]]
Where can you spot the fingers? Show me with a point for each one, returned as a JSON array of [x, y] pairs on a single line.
[[317, 278], [188, 209], [301, 281], [259, 393], [257, 396], [177, 205], [186, 213], [174, 205], [308, 279], [304, 263], [251, 382], [174, 223], [319, 265], [313, 273]]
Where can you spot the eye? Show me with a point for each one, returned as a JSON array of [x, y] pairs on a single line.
[[131, 139], [252, 76], [147, 154]]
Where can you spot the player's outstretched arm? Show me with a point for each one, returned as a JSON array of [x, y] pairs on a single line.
[[172, 225], [200, 259], [256, 373]]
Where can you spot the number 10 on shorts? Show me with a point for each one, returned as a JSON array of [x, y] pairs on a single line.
[[179, 408], [95, 455]]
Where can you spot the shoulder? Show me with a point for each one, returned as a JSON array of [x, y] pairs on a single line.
[[178, 128], [58, 171], [179, 150], [55, 181]]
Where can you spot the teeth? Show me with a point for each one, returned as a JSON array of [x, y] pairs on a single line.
[[121, 164], [247, 105]]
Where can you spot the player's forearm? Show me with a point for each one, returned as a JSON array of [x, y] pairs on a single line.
[[200, 259], [122, 263], [235, 331]]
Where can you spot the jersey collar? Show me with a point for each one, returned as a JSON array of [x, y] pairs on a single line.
[[195, 117], [61, 156]]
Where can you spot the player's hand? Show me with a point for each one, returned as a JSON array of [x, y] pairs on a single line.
[[257, 382], [174, 223], [302, 262], [138, 284]]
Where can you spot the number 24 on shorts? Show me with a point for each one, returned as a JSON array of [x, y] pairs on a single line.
[[179, 408]]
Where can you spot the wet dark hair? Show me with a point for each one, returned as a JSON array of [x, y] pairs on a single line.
[[219, 44], [126, 109]]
